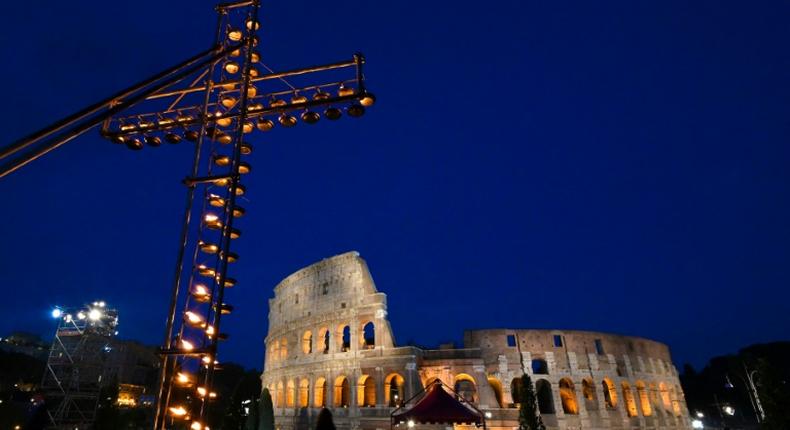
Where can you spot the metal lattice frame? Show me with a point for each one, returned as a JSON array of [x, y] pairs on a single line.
[[229, 93], [217, 111], [75, 367]]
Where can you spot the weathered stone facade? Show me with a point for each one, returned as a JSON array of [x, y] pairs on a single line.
[[330, 343]]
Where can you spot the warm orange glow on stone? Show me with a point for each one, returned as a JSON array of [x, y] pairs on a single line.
[[320, 393], [644, 400], [304, 393], [290, 394], [610, 393], [630, 403], [568, 397]]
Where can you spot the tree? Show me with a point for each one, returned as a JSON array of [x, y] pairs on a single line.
[[266, 411], [107, 415], [325, 420], [21, 369], [725, 381], [253, 418], [236, 388], [528, 416], [774, 395]]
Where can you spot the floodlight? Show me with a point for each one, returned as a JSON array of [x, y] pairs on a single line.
[[178, 411]]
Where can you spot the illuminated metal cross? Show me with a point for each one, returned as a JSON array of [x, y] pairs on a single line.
[[216, 112], [213, 100]]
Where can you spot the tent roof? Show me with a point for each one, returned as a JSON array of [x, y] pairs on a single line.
[[439, 407]]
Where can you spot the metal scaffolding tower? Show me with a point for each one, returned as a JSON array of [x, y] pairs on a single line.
[[75, 366]]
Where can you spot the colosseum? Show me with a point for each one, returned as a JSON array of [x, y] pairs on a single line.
[[330, 345]]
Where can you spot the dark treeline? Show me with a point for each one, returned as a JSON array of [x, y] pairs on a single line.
[[730, 390]]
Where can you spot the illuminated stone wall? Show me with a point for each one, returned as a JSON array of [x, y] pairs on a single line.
[[585, 380], [596, 380]]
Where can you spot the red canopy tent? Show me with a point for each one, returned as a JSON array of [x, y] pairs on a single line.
[[437, 406]]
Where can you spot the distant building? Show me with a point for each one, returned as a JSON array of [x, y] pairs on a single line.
[[130, 362], [25, 343], [134, 367], [129, 395], [330, 344]]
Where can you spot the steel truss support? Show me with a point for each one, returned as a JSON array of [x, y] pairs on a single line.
[[74, 375], [216, 112], [88, 118]]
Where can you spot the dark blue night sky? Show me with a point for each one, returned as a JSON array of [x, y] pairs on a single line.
[[614, 166]]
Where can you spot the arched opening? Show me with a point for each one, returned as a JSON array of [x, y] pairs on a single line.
[[609, 393], [368, 336], [662, 388], [283, 348], [273, 393], [344, 338], [545, 399], [275, 355], [366, 391], [290, 394], [342, 392], [393, 389], [320, 393], [644, 400], [653, 392], [568, 397], [540, 367], [307, 342], [465, 387], [304, 393], [495, 385], [676, 393], [630, 403], [323, 335], [515, 392], [588, 392], [280, 395]]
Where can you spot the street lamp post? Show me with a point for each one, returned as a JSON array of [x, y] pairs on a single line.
[[751, 390], [754, 396]]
